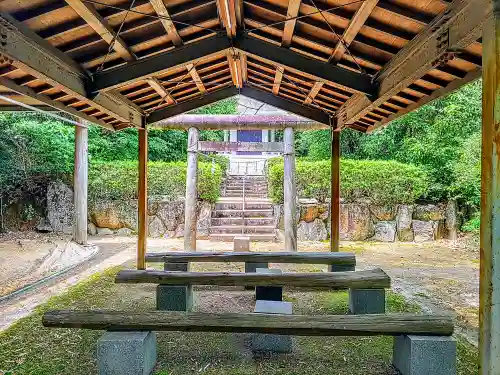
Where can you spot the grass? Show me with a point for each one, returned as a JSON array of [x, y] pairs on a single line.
[[29, 348]]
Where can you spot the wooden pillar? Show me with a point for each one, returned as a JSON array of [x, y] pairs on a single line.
[[80, 182], [489, 288], [290, 193], [142, 206], [335, 193], [191, 191]]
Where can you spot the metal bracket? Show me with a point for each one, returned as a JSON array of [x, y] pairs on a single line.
[[443, 51]]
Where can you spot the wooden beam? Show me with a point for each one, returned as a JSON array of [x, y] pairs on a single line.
[[126, 101], [196, 78], [161, 90], [165, 19], [101, 27], [244, 71], [322, 70], [240, 146], [356, 23], [368, 279], [277, 79], [261, 257], [447, 34], [292, 12], [314, 91], [157, 64], [227, 14], [335, 195], [142, 204], [235, 68], [310, 325]]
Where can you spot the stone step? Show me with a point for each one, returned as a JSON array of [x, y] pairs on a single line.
[[247, 195], [239, 205], [247, 178], [242, 229], [250, 183], [240, 191], [229, 237], [240, 213], [240, 221]]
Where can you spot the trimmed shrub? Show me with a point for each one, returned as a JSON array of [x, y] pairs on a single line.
[[382, 182], [118, 180]]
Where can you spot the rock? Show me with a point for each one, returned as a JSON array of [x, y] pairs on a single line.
[[155, 227], [179, 231], [170, 213], [204, 220], [44, 226], [424, 230], [315, 231], [323, 211], [278, 216], [308, 201], [355, 222], [385, 231], [429, 212], [308, 213], [383, 213], [104, 232], [60, 209], [114, 214], [452, 222], [124, 232], [67, 229], [91, 229], [404, 223]]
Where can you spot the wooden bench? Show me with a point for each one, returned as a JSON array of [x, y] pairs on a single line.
[[422, 343], [174, 290]]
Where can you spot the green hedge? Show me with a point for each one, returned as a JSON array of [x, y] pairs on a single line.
[[118, 180], [382, 182]]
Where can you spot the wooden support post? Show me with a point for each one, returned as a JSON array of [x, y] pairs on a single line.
[[290, 193], [142, 209], [489, 286], [191, 191], [335, 193], [80, 179]]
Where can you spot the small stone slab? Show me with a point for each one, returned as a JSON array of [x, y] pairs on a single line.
[[269, 293], [425, 355], [174, 297], [126, 353], [241, 243], [366, 301], [264, 342], [180, 267]]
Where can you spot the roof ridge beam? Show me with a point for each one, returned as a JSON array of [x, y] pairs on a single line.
[[291, 14], [165, 19], [355, 81]]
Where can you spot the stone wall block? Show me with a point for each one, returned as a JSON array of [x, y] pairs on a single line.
[[60, 207], [404, 223], [429, 212], [385, 231], [452, 219], [383, 213], [155, 227], [204, 219], [355, 222], [171, 213], [308, 213], [424, 230], [314, 231]]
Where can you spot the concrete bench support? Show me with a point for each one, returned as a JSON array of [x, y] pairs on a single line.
[[174, 297], [366, 301], [264, 342], [126, 353], [269, 293], [425, 355], [182, 267], [341, 267]]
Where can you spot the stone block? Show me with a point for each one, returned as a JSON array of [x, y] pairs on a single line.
[[252, 267], [174, 297], [366, 301], [425, 355], [341, 267], [126, 353], [269, 293], [264, 342], [241, 244], [180, 267]]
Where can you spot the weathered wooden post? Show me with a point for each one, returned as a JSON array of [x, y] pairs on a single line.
[[191, 191], [80, 182], [290, 194], [335, 193], [489, 314], [142, 205]]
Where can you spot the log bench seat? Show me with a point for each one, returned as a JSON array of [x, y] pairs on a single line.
[[422, 344]]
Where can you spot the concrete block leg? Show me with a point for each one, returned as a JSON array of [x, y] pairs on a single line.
[[264, 342], [269, 293], [341, 267], [366, 301], [174, 297], [425, 355], [241, 244], [181, 267], [126, 353], [252, 267]]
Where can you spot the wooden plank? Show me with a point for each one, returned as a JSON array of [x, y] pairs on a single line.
[[227, 14], [261, 257], [142, 204], [162, 11], [101, 27], [369, 279], [278, 77], [355, 25], [235, 68], [313, 92], [299, 325], [292, 12], [196, 78], [240, 146], [160, 89]]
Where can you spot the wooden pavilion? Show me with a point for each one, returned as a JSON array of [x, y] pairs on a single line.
[[340, 63]]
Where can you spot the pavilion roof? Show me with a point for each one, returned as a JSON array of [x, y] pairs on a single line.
[[346, 63]]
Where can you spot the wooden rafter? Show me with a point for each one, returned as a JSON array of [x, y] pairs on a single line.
[[227, 13], [314, 91], [162, 11], [244, 71], [101, 27], [158, 87], [278, 77], [356, 23], [292, 12], [196, 78], [235, 68]]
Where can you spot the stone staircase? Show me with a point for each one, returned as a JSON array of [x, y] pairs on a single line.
[[235, 216]]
